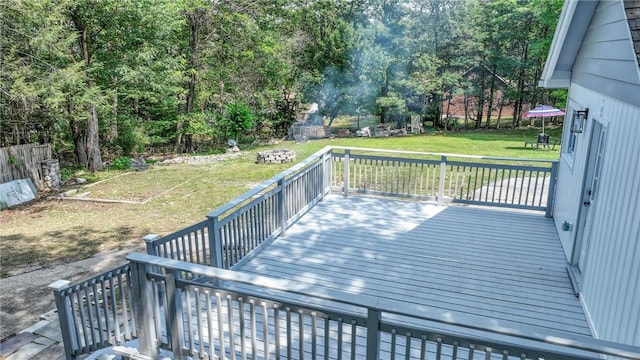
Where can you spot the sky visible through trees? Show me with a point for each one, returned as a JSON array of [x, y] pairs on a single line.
[[102, 78]]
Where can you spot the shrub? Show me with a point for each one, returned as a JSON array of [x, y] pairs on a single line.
[[237, 119], [121, 163]]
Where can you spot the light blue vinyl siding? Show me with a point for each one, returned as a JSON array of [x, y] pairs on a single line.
[[606, 61], [611, 279]]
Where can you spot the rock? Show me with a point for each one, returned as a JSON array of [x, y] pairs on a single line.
[[233, 149], [138, 164], [81, 180], [365, 132]]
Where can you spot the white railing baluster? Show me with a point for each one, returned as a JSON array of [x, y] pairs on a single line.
[[254, 340], [347, 165], [231, 326], [199, 329], [276, 329], [301, 334], [443, 169], [265, 331], [210, 324], [314, 335], [220, 315], [289, 335]]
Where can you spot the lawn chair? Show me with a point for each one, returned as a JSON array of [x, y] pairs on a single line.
[[415, 127], [543, 140], [528, 142]]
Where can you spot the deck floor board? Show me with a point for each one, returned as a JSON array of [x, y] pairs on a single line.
[[503, 264]]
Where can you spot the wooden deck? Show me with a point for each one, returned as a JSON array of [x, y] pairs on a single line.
[[501, 264]]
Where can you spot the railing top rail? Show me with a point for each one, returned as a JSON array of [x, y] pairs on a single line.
[[579, 342], [462, 156], [247, 195]]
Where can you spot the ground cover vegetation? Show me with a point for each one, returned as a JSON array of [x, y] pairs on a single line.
[[177, 195], [109, 79]]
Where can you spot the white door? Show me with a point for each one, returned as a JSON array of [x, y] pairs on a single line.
[[590, 193]]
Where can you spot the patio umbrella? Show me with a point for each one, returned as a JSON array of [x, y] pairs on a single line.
[[543, 111]]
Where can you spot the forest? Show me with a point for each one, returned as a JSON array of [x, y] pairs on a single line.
[[106, 78]]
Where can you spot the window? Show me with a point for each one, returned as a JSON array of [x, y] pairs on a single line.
[[569, 147]]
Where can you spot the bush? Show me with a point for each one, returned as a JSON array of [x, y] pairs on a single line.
[[237, 119], [121, 163]]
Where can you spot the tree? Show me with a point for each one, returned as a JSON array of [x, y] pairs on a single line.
[[237, 119]]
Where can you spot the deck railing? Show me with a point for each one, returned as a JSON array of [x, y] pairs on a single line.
[[445, 178], [266, 211], [257, 317], [95, 313], [230, 233]]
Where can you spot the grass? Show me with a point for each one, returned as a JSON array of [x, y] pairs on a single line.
[[48, 232]]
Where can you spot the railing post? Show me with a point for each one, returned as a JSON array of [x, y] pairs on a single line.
[[373, 333], [443, 172], [149, 239], [142, 300], [552, 190], [215, 242], [64, 315], [282, 206], [347, 162], [175, 328], [326, 170]]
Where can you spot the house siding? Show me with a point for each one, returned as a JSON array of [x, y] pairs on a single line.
[[571, 170], [606, 61], [611, 277]]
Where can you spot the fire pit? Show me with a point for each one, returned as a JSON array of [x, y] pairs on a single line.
[[277, 156]]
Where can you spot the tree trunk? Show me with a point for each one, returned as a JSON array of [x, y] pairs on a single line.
[[89, 142], [466, 111], [113, 127], [79, 143], [480, 112], [492, 89], [194, 19], [521, 84], [93, 141], [501, 106]]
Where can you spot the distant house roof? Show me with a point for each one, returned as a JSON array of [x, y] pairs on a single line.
[[483, 68], [570, 32]]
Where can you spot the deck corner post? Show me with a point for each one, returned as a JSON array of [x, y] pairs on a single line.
[[174, 306], [149, 239], [142, 300], [215, 242], [443, 173], [552, 190], [347, 163], [282, 206], [63, 306], [374, 316]]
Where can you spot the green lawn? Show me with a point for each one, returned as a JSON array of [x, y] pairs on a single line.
[[174, 196]]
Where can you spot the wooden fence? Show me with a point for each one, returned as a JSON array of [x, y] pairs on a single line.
[[24, 161]]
